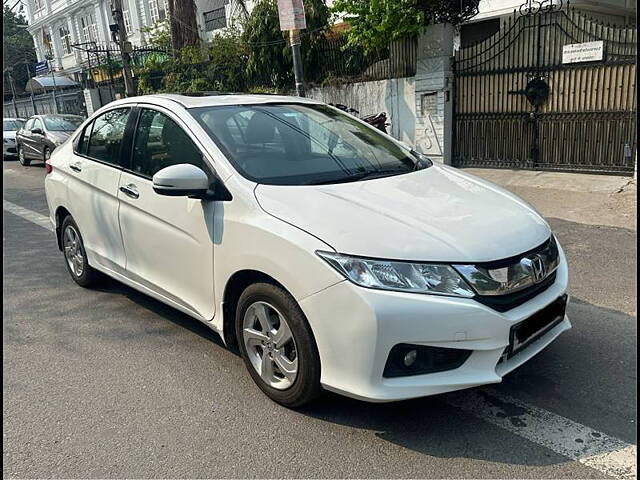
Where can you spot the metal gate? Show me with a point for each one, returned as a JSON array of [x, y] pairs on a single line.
[[519, 104]]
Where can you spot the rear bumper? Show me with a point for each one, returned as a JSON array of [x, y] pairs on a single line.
[[355, 329]]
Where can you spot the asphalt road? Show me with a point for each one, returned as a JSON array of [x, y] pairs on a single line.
[[110, 383]]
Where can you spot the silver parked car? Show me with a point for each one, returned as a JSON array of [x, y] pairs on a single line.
[[42, 134]]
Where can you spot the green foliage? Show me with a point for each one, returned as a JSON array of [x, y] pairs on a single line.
[[269, 55], [227, 61], [17, 47], [158, 36], [374, 23]]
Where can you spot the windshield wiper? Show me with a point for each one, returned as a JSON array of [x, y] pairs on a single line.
[[369, 174]]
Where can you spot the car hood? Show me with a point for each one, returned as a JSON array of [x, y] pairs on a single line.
[[437, 214], [10, 134]]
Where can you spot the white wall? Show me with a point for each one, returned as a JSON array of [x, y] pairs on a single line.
[[617, 11], [396, 97]]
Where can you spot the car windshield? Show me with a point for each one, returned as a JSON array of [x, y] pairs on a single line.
[[62, 124], [11, 125], [300, 144]]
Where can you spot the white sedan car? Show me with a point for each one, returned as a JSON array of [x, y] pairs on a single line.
[[330, 254], [10, 126]]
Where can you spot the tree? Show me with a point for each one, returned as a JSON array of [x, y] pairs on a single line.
[[17, 47], [269, 60], [374, 23], [183, 24]]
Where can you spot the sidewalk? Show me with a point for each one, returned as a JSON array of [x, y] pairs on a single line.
[[581, 198]]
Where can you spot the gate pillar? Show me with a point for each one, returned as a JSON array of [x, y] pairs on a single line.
[[434, 93]]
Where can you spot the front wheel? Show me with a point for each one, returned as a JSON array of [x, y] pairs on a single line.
[[24, 161], [46, 154], [277, 345]]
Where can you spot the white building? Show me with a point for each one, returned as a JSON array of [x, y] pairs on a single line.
[[57, 25], [490, 13]]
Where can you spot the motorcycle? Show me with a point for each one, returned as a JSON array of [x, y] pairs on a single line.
[[378, 120]]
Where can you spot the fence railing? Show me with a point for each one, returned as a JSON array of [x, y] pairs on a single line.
[[69, 102], [338, 62], [345, 62]]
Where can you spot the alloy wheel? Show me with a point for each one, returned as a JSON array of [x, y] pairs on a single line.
[[270, 345], [73, 250]]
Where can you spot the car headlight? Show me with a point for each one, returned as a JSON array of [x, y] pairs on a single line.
[[437, 279]]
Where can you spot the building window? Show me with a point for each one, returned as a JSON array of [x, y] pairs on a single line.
[[46, 42], [65, 40], [89, 29], [38, 5], [215, 19], [158, 10], [126, 16]]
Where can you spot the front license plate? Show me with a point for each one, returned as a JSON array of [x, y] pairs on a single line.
[[529, 330]]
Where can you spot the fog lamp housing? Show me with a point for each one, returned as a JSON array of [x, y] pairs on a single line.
[[405, 360]]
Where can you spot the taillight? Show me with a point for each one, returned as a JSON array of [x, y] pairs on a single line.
[[48, 167]]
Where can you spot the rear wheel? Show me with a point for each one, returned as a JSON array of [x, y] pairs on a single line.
[[75, 255], [24, 161], [277, 345]]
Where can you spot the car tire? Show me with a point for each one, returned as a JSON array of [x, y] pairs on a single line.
[[24, 161], [46, 154], [75, 255], [270, 351]]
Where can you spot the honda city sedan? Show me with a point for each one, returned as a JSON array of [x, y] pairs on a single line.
[[42, 134], [331, 255]]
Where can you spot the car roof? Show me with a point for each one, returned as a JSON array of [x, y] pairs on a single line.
[[208, 99]]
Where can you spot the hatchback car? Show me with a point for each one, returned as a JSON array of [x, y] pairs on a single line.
[[330, 254], [10, 127], [42, 134]]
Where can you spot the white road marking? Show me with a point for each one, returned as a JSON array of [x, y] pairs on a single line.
[[608, 455], [604, 453], [27, 214]]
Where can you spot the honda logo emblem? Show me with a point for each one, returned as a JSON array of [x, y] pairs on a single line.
[[536, 267]]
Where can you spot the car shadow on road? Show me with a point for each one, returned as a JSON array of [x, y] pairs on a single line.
[[598, 396], [108, 285]]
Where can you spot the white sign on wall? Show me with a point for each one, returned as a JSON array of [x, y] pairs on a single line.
[[583, 52], [291, 13]]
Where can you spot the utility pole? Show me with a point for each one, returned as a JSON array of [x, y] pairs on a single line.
[[294, 42], [33, 102], [292, 18], [13, 92], [125, 47], [53, 77]]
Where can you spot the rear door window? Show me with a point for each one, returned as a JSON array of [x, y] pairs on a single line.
[[105, 142], [82, 144]]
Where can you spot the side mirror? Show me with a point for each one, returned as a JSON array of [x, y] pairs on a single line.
[[182, 180], [37, 131]]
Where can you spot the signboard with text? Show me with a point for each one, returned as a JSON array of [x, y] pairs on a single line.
[[291, 13], [583, 52], [42, 67]]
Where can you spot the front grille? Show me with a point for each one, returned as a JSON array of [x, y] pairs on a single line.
[[504, 303], [507, 301]]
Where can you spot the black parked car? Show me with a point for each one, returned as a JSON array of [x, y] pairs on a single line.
[[42, 134]]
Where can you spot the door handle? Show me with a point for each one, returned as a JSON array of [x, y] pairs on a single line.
[[76, 167], [130, 190]]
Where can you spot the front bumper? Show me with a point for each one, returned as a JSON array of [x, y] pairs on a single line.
[[9, 148], [355, 329]]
